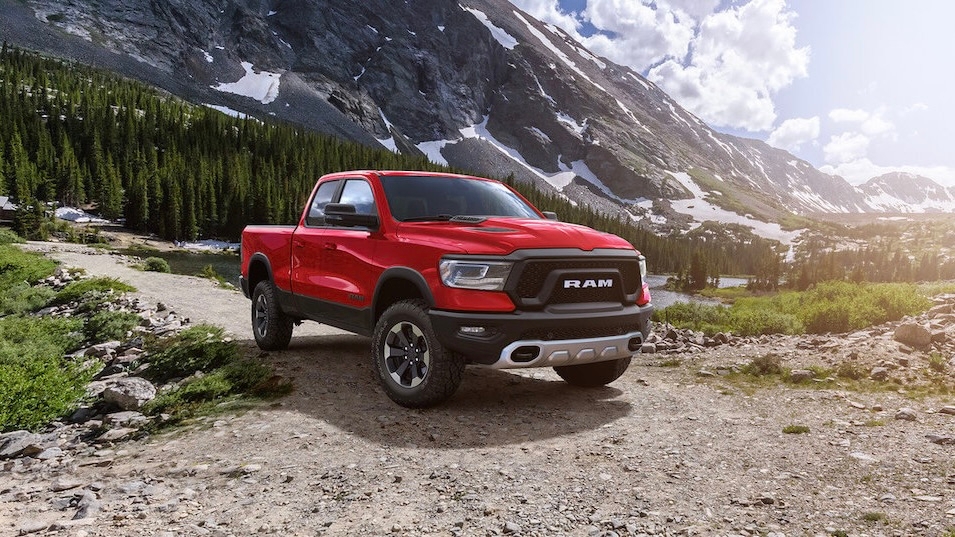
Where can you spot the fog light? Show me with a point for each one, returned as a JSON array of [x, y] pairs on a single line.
[[472, 330]]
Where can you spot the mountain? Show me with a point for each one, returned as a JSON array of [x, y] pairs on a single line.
[[906, 192], [476, 84]]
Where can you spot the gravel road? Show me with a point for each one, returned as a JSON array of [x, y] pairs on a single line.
[[662, 451]]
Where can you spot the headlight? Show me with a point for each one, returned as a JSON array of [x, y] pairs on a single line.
[[643, 268], [482, 275]]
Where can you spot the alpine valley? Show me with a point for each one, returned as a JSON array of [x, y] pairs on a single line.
[[475, 84]]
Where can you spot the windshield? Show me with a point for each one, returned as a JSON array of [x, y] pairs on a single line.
[[442, 198]]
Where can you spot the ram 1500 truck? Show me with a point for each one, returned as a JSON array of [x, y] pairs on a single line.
[[445, 270]]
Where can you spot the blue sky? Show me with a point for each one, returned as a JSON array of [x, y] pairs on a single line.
[[856, 87]]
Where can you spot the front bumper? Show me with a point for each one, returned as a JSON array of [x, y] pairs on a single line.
[[567, 334]]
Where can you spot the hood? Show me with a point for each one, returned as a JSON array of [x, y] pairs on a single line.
[[502, 236]]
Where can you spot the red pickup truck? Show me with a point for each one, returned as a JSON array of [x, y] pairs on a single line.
[[445, 270]]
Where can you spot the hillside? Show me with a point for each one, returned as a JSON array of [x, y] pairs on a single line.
[[478, 85]]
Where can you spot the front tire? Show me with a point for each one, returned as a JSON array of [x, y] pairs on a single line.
[[270, 326], [412, 366], [595, 374]]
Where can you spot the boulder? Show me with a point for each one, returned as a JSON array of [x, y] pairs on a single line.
[[130, 393], [913, 334]]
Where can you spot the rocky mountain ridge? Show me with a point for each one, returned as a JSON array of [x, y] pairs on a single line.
[[478, 85]]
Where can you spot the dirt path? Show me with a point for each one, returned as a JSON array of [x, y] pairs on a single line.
[[663, 451]]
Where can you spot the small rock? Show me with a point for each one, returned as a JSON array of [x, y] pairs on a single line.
[[648, 348], [32, 526], [801, 375], [114, 435], [511, 527], [65, 483], [906, 414], [950, 410], [879, 373], [19, 443], [941, 440]]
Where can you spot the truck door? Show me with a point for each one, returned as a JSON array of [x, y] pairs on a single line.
[[333, 272]]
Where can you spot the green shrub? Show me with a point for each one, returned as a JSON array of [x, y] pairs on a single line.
[[9, 237], [796, 429], [199, 393], [17, 266], [936, 362], [156, 264], [768, 364], [110, 325], [24, 298], [850, 370], [828, 307], [76, 290], [199, 348], [37, 384]]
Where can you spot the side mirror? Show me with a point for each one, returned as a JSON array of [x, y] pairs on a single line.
[[343, 214], [551, 215]]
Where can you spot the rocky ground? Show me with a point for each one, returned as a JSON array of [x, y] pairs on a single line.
[[690, 441]]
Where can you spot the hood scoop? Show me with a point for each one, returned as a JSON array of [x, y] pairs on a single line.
[[493, 229]]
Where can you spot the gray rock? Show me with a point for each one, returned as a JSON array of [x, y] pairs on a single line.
[[87, 507], [125, 418], [511, 527], [879, 373], [940, 439], [801, 375], [65, 483], [906, 414], [950, 410], [913, 334], [19, 444], [130, 393], [32, 526], [648, 348]]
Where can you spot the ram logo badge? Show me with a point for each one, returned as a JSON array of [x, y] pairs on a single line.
[[588, 284]]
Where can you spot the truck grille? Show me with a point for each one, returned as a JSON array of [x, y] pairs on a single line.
[[542, 281]]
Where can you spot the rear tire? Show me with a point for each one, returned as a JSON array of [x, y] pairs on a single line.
[[412, 366], [595, 374], [272, 328]]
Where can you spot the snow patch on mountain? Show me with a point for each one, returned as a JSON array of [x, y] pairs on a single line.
[[505, 39], [262, 86], [702, 210]]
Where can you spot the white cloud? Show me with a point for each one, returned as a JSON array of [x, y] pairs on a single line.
[[868, 123], [844, 115], [846, 147], [724, 66], [795, 132]]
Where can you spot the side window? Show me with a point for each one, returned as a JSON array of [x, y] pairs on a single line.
[[316, 211], [357, 192]]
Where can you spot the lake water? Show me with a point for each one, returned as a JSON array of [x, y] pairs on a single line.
[[227, 265], [663, 297], [192, 263]]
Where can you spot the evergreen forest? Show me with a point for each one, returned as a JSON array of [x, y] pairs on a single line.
[[81, 137]]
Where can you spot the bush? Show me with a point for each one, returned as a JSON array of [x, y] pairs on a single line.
[[9, 237], [156, 264], [828, 307], [795, 429], [110, 325], [199, 348], [768, 364], [93, 286], [37, 384], [24, 298], [17, 266]]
